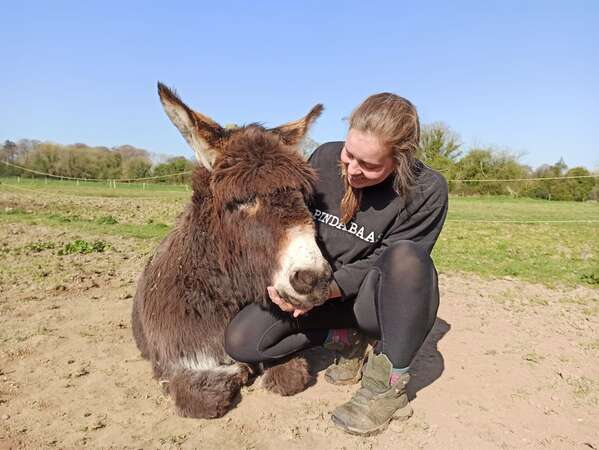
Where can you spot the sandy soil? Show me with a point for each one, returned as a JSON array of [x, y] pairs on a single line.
[[508, 365]]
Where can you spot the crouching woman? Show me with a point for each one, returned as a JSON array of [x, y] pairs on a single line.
[[378, 212]]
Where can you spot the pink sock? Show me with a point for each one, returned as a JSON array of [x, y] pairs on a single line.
[[340, 335], [396, 375]]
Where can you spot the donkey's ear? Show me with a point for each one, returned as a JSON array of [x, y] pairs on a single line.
[[201, 132], [293, 132]]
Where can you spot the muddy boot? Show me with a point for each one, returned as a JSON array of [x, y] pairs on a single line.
[[377, 402], [347, 368]]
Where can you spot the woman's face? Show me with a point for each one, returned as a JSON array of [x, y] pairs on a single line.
[[366, 161]]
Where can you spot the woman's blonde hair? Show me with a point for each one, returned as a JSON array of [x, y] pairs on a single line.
[[393, 120]]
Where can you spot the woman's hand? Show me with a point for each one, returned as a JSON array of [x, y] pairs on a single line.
[[287, 307], [334, 291]]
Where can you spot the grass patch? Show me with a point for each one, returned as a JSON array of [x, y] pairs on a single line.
[[590, 346], [590, 311], [145, 231], [590, 277], [533, 357], [64, 219], [539, 301], [106, 220], [40, 246], [82, 246], [15, 211], [582, 386]]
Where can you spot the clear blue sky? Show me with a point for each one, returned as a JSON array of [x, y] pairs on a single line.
[[519, 75]]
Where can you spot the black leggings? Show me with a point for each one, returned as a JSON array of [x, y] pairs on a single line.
[[397, 304]]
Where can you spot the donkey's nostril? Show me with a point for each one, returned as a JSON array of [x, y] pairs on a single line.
[[304, 281]]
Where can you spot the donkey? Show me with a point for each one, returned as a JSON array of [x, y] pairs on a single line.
[[247, 227]]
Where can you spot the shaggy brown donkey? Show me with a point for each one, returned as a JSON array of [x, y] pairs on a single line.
[[246, 227]]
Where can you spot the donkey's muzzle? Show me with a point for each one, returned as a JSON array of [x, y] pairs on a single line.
[[305, 281], [303, 276], [312, 285]]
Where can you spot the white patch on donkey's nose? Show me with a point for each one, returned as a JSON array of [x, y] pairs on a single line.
[[301, 253]]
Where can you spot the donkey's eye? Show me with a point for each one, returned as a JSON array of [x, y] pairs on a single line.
[[250, 205], [289, 198]]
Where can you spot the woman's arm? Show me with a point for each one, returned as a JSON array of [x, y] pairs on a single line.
[[422, 227]]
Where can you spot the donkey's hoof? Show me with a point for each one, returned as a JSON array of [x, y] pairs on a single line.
[[287, 378], [207, 394]]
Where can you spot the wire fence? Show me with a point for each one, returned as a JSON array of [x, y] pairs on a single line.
[[508, 221], [188, 172], [109, 180], [35, 186], [180, 194]]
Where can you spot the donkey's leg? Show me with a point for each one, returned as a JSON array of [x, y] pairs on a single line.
[[138, 331], [207, 393], [288, 377]]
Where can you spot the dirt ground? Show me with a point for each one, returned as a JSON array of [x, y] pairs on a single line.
[[508, 365]]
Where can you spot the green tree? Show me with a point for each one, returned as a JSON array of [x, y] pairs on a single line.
[[486, 163], [560, 167], [9, 153], [137, 167], [45, 158], [129, 151], [578, 189], [439, 147], [177, 164]]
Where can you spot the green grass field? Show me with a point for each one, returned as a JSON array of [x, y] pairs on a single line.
[[535, 240], [94, 188]]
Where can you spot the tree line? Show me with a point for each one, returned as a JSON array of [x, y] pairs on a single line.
[[83, 161], [440, 148]]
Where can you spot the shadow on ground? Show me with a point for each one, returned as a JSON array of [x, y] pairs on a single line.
[[428, 365]]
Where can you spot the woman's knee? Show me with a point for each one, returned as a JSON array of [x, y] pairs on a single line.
[[240, 335], [235, 343], [405, 257], [364, 308]]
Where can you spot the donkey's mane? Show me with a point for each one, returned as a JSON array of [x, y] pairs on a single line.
[[254, 162]]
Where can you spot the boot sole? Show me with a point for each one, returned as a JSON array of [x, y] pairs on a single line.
[[400, 415]]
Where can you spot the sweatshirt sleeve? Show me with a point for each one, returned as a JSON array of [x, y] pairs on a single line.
[[422, 227]]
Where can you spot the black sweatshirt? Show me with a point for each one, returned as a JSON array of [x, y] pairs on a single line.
[[384, 217]]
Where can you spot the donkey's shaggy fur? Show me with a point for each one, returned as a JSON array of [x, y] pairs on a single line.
[[226, 247]]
